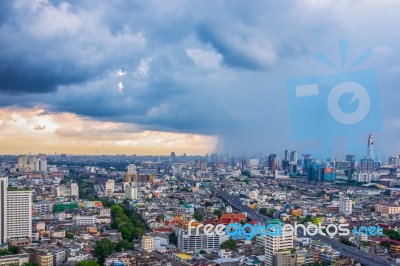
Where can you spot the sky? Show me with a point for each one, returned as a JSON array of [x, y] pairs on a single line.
[[152, 77]]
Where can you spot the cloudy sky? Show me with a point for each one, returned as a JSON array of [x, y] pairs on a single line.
[[151, 77]]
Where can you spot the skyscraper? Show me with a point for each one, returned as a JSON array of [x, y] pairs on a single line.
[[293, 157], [370, 146]]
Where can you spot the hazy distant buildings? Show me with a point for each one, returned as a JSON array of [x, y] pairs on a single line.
[[367, 165], [32, 163], [342, 165]]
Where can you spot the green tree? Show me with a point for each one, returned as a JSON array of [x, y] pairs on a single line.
[[229, 244], [271, 213], [263, 211], [4, 252], [30, 264], [173, 238], [13, 249], [104, 247], [218, 213], [202, 252], [198, 216], [87, 263], [69, 235], [346, 241], [392, 234], [126, 229], [124, 245]]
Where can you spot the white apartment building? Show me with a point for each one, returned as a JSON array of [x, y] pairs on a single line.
[[110, 187], [195, 243], [131, 192], [273, 244], [346, 206], [43, 206], [19, 214], [85, 220]]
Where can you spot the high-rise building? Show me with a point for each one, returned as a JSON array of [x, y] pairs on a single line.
[[287, 156], [3, 210], [367, 165], [346, 206], [131, 192], [42, 163], [272, 161], [19, 214], [343, 165], [110, 186], [273, 244], [293, 157], [370, 146], [74, 190]]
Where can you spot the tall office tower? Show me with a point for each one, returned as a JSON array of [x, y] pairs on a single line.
[[74, 190], [19, 214], [3, 210], [273, 244], [293, 157], [272, 162], [287, 155], [110, 186], [370, 146]]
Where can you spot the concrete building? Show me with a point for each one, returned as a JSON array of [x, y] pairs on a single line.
[[273, 244], [110, 187], [17, 259], [387, 209], [85, 220], [148, 243], [131, 192], [3, 210], [195, 243], [74, 190], [346, 206], [19, 214]]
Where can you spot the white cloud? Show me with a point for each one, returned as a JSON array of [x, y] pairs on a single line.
[[143, 68], [208, 59]]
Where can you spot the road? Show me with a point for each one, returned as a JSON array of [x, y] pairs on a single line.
[[348, 251]]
